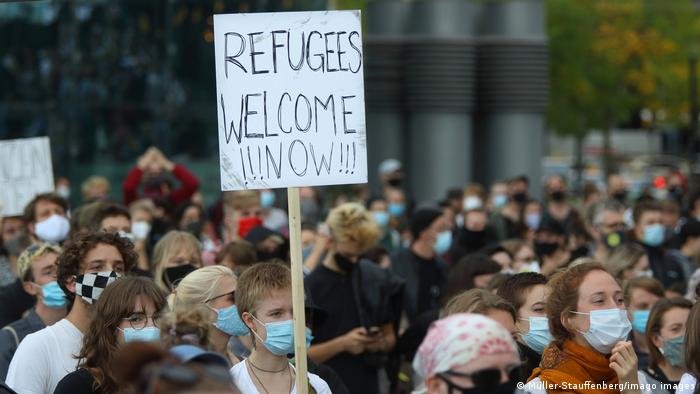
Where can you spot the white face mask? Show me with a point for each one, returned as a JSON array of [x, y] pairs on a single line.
[[140, 229], [53, 229], [644, 274], [63, 191], [607, 327]]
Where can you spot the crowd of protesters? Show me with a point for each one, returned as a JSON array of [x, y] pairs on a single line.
[[487, 291]]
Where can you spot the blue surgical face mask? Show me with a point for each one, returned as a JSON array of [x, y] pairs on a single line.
[[499, 200], [607, 327], [267, 199], [229, 322], [146, 334], [397, 209], [53, 296], [280, 337], [532, 220], [443, 242], [639, 320], [538, 337], [672, 351], [382, 218], [654, 234]]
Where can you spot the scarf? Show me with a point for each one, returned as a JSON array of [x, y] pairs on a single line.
[[567, 369]]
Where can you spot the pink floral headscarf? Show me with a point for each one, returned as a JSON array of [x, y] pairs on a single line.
[[458, 339]]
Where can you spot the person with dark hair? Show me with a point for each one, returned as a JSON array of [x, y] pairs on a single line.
[[558, 207], [112, 218], [664, 336], [390, 239], [649, 232], [473, 235], [641, 294], [237, 255], [550, 246], [46, 218], [89, 263], [472, 271], [36, 268], [421, 264], [608, 228], [500, 255], [689, 381], [527, 292], [127, 311], [689, 241]]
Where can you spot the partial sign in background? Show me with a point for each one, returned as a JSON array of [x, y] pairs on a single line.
[[25, 171], [291, 112], [290, 99]]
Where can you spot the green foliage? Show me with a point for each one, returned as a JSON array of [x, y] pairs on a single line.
[[609, 59]]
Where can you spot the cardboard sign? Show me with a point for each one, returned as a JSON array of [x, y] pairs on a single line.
[[25, 171], [290, 99]]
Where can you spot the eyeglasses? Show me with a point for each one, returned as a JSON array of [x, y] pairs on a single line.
[[482, 379], [138, 321], [231, 296]]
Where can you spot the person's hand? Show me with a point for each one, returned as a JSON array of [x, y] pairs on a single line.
[[623, 361], [162, 162], [322, 242], [355, 340], [377, 341], [146, 159]]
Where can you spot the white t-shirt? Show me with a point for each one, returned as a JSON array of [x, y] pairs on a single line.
[[44, 358], [687, 384], [535, 386], [242, 380]]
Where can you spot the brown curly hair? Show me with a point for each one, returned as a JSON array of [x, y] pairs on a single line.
[[563, 297], [71, 260], [100, 343]]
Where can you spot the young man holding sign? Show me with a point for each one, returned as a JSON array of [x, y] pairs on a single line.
[[363, 302]]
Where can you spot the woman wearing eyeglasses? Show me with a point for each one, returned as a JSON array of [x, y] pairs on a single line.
[[467, 353], [590, 352], [128, 310], [214, 287]]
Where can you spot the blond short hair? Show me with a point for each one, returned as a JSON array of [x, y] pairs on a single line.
[[258, 282], [351, 222], [199, 286], [241, 199], [169, 246], [92, 182], [477, 301], [144, 204], [30, 255]]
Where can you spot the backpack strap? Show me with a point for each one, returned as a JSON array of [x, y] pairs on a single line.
[[14, 334]]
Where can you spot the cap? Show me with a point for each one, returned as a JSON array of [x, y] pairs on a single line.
[[190, 353], [422, 219], [388, 166]]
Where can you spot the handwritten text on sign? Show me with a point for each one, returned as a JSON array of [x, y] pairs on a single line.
[[25, 171], [290, 99]]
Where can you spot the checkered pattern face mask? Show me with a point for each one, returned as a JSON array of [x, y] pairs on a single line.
[[89, 286]]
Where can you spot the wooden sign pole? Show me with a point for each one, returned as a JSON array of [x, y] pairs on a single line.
[[302, 384]]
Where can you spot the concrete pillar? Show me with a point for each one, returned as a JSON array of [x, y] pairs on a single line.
[[513, 85], [440, 65]]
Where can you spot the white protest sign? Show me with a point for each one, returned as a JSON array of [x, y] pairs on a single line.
[[290, 99], [25, 171]]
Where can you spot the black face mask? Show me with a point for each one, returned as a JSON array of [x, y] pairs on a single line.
[[267, 256], [395, 182], [557, 195], [546, 248], [581, 251], [676, 192], [344, 263], [484, 382], [473, 240], [520, 197], [173, 275], [194, 228], [620, 196], [614, 239]]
